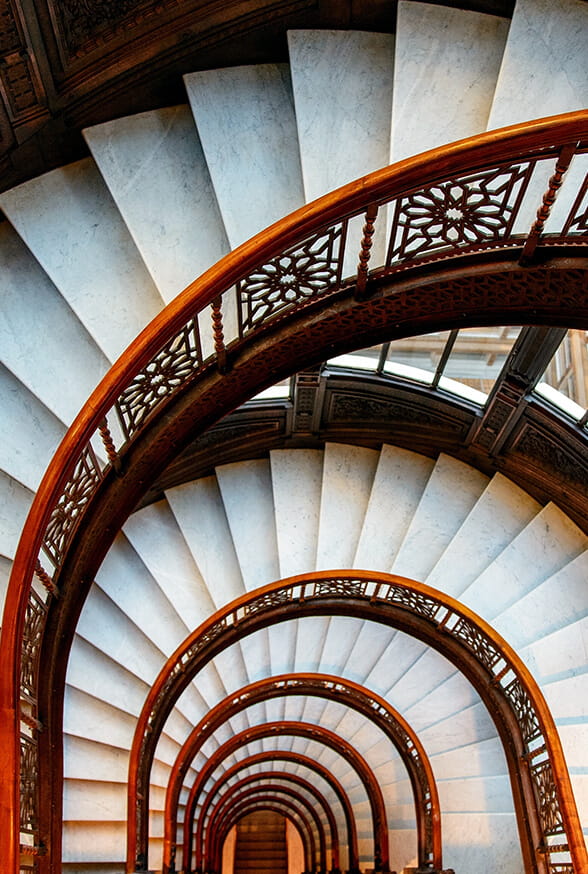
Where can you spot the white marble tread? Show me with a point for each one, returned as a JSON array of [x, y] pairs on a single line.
[[296, 484], [70, 223], [30, 432], [501, 513], [245, 118], [200, 514], [41, 340], [544, 70], [452, 491], [445, 70], [156, 172], [159, 542], [246, 491], [343, 82], [398, 484], [15, 502], [548, 542], [348, 475]]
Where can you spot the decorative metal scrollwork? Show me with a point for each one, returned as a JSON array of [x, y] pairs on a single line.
[[477, 642], [578, 219], [304, 271], [458, 213], [524, 710], [28, 785], [549, 809], [70, 506], [33, 634], [166, 372]]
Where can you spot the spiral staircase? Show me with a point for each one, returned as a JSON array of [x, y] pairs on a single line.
[[93, 251]]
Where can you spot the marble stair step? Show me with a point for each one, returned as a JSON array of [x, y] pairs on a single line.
[[31, 432], [296, 485], [343, 83], [501, 513], [450, 494], [245, 118], [15, 502], [70, 223], [544, 72], [247, 496], [398, 485], [445, 69], [40, 336], [551, 607], [545, 545], [348, 475], [156, 172]]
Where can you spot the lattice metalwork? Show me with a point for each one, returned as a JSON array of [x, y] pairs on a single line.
[[484, 650], [547, 800], [413, 601], [524, 710], [70, 506], [577, 222], [176, 362], [35, 614], [459, 213], [338, 588], [305, 271], [28, 785]]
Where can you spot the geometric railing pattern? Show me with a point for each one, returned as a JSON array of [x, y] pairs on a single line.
[[550, 833], [460, 200]]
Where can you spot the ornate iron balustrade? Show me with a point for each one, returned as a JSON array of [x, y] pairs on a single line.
[[456, 201], [550, 831]]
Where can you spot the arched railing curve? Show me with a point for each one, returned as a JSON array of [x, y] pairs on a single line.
[[465, 198], [549, 827], [338, 689]]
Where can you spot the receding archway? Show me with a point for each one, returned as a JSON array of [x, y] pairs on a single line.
[[542, 793], [350, 694]]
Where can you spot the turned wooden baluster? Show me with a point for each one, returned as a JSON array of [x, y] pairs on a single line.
[[364, 255], [555, 183]]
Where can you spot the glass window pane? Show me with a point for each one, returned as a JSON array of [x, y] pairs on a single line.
[[565, 382], [416, 357], [478, 356]]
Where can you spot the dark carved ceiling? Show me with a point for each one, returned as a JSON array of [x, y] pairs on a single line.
[[69, 64]]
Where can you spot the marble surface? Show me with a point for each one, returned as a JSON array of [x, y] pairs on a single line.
[[158, 540], [452, 491], [348, 473], [92, 671], [445, 69], [245, 119], [15, 502], [553, 605], [40, 350], [500, 515], [544, 70], [549, 542], [296, 483], [246, 491], [31, 433], [398, 484], [200, 514], [156, 172], [70, 223], [342, 83]]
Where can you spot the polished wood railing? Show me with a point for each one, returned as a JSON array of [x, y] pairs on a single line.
[[470, 198]]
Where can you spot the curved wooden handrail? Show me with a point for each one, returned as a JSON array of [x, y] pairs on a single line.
[[276, 806], [339, 689], [74, 474], [539, 777], [218, 819], [278, 778], [314, 767]]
